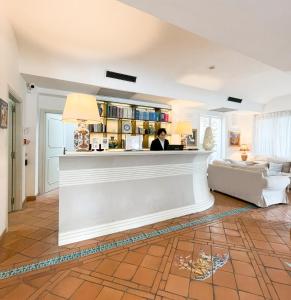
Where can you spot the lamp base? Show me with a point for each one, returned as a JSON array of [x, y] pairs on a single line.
[[244, 157], [82, 137], [99, 148]]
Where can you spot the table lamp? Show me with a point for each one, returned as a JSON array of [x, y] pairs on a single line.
[[184, 128], [81, 109], [244, 148]]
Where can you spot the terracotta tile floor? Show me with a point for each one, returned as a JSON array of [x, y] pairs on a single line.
[[256, 243]]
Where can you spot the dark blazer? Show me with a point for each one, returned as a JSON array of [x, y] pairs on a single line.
[[156, 145]]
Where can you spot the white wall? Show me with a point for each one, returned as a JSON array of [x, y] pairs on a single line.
[[30, 129], [10, 79], [243, 122], [192, 114], [38, 100], [184, 113]]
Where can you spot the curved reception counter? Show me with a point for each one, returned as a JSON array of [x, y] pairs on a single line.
[[106, 192]]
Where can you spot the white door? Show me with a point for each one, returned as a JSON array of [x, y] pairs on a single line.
[[53, 149]]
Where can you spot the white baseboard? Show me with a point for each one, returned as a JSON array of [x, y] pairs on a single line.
[[109, 228]]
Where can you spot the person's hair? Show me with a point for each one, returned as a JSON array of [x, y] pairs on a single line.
[[162, 130]]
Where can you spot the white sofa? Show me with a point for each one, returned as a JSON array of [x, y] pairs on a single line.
[[248, 183]]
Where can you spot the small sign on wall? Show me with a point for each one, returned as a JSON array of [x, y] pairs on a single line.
[[3, 114]]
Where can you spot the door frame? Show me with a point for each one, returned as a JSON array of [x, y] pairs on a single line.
[[42, 147], [19, 151]]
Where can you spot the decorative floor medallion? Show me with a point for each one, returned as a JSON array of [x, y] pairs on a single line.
[[204, 266]]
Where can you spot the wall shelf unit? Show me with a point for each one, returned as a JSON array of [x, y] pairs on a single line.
[[119, 119]]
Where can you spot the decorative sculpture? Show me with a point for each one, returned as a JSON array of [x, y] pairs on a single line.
[[208, 141]]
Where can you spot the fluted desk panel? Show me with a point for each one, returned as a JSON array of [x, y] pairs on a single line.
[[107, 192]]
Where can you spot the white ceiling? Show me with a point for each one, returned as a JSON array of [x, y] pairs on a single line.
[[92, 36], [68, 86], [258, 28]]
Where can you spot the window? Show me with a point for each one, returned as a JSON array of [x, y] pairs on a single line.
[[215, 123], [273, 134]]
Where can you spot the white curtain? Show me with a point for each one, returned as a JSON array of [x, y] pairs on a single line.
[[272, 134]]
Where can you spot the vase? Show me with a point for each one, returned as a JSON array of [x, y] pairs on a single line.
[[208, 141], [113, 144]]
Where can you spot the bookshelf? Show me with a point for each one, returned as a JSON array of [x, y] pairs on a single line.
[[121, 119]]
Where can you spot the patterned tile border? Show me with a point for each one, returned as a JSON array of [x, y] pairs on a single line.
[[131, 240]]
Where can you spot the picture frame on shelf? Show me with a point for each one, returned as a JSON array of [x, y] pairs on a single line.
[[105, 142], [234, 138], [126, 127], [3, 114], [192, 140]]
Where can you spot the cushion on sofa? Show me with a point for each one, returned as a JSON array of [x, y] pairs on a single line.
[[250, 163], [235, 162], [221, 162], [275, 167], [256, 169], [286, 165]]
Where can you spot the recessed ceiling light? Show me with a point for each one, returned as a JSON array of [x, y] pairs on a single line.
[[211, 67]]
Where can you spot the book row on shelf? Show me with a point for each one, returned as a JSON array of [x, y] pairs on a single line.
[[101, 128], [136, 113], [120, 112], [149, 130], [152, 116]]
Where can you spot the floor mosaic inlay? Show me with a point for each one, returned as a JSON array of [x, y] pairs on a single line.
[[204, 266], [217, 263]]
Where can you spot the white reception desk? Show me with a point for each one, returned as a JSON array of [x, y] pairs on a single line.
[[106, 192]]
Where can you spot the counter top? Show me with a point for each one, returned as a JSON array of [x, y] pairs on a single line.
[[133, 153]]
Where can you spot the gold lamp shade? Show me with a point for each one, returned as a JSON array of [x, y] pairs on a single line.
[[244, 148], [184, 128], [81, 107]]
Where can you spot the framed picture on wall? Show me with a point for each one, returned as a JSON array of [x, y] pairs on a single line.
[[234, 138], [192, 140], [3, 114]]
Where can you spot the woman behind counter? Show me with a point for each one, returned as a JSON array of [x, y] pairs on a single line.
[[160, 143]]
